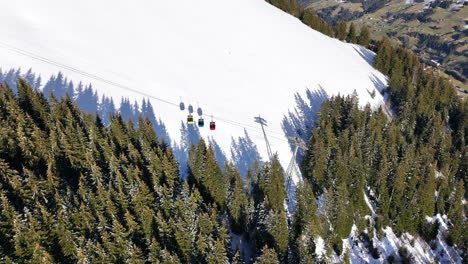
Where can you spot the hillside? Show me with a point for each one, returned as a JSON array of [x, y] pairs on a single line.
[[201, 54], [435, 30], [75, 191], [98, 165]]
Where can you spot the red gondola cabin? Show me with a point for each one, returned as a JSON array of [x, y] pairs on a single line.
[[212, 125]]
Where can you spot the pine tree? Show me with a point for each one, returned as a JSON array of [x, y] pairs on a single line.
[[214, 180], [7, 218], [33, 103], [218, 255], [154, 250], [384, 55], [268, 256], [364, 37], [341, 30], [397, 190], [117, 242], [458, 231], [315, 161], [274, 185], [26, 241], [306, 223], [352, 37], [66, 240], [82, 258], [40, 255], [136, 256], [310, 18], [277, 228], [183, 237], [341, 215], [237, 199], [168, 258], [426, 199]]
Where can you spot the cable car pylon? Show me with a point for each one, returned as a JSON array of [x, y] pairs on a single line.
[[298, 143], [263, 123]]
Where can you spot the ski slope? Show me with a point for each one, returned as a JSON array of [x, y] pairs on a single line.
[[235, 59]]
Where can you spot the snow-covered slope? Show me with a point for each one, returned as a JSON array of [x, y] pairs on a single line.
[[235, 59]]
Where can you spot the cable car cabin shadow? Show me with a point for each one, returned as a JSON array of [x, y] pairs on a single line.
[[189, 119], [201, 122]]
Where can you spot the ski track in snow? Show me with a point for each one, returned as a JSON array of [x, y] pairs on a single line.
[[198, 50]]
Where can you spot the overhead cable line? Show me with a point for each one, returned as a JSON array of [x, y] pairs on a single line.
[[125, 87]]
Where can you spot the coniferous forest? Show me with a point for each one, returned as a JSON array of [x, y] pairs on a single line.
[[75, 189]]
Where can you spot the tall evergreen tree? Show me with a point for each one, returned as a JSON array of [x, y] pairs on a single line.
[[305, 225], [341, 30], [458, 231], [237, 200], [273, 185], [268, 256], [364, 36], [352, 35]]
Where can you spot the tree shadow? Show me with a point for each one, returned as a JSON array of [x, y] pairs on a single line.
[[366, 54], [10, 77], [219, 153], [300, 121], [244, 153], [106, 108], [159, 127], [189, 135], [378, 83]]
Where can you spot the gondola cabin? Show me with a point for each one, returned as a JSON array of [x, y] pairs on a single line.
[[182, 106], [190, 119], [201, 122], [212, 125]]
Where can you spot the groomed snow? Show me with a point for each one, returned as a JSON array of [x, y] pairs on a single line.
[[236, 59]]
